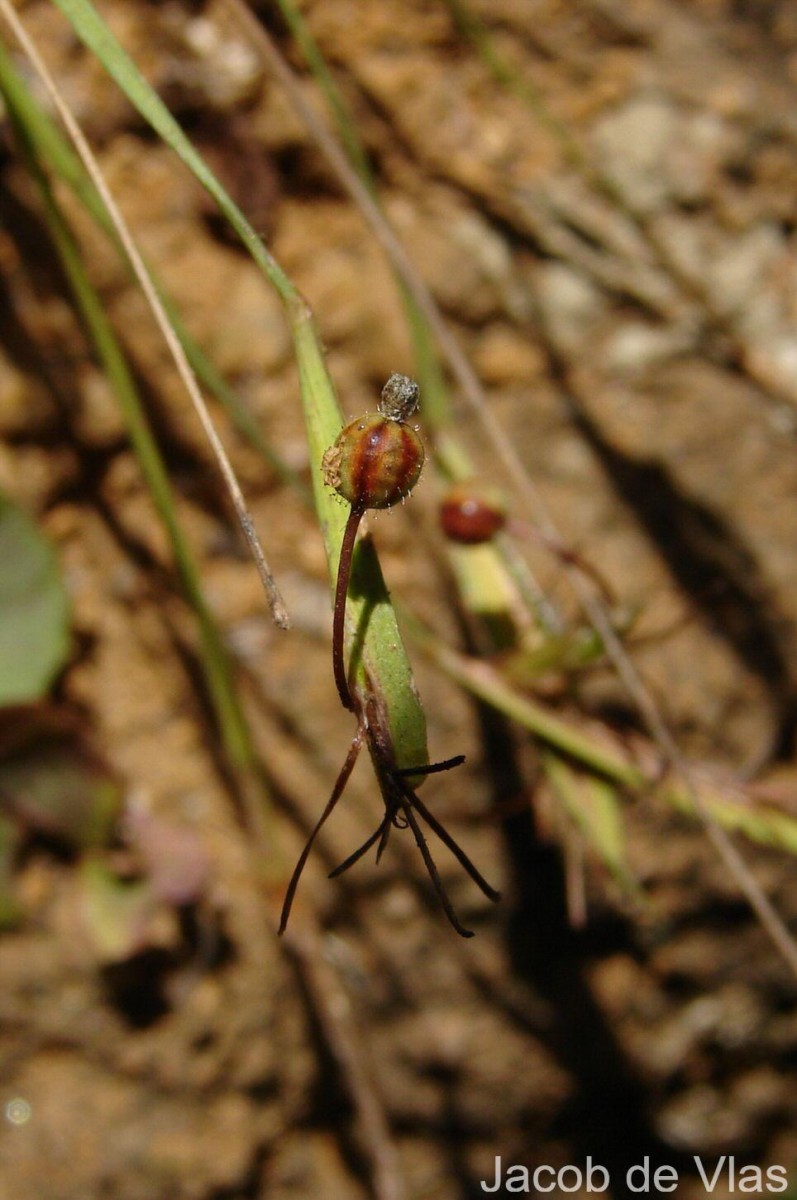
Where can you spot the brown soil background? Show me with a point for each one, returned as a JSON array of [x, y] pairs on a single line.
[[657, 414]]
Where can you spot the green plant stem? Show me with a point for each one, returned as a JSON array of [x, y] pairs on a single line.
[[735, 812], [377, 659], [593, 804], [92, 30], [486, 684]]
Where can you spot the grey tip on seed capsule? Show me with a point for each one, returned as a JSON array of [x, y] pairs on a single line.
[[399, 398]]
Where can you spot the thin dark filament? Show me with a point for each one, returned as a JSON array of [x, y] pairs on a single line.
[[361, 850], [337, 792], [391, 819], [405, 801], [380, 834], [445, 837], [405, 804], [420, 841], [382, 831], [339, 618], [447, 764]]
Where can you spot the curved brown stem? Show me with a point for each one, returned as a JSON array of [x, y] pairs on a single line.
[[338, 621], [337, 792]]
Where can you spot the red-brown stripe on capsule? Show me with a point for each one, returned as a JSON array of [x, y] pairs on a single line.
[[374, 462]]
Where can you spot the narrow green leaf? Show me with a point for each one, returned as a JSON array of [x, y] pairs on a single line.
[[483, 681], [759, 822]]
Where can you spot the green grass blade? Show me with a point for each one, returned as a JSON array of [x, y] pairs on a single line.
[[736, 813], [486, 684], [382, 654], [756, 821], [49, 144]]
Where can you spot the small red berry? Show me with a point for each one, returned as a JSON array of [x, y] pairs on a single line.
[[471, 513]]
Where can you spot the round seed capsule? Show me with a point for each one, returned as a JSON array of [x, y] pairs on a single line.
[[374, 462], [471, 513]]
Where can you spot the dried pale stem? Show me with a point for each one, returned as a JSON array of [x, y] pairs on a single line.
[[762, 906], [595, 609], [339, 617], [214, 658], [276, 604]]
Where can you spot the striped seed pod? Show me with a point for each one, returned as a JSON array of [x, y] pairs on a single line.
[[376, 459]]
